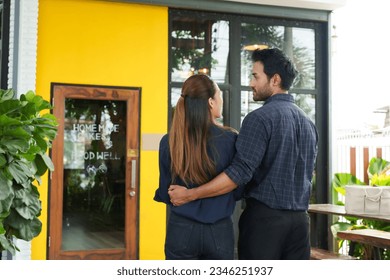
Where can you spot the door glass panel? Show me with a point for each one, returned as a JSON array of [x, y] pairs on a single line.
[[297, 43], [175, 95], [247, 104], [304, 56], [199, 46], [306, 102], [94, 174]]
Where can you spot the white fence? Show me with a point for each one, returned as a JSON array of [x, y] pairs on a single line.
[[352, 154]]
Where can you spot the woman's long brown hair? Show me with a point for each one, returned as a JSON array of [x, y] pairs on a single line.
[[189, 132]]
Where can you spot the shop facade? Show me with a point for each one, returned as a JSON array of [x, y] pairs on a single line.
[[113, 72]]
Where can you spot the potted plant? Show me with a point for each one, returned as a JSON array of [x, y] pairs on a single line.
[[27, 129], [379, 175]]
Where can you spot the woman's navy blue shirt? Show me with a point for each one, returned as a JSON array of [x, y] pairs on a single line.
[[221, 149]]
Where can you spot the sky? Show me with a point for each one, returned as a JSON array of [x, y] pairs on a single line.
[[360, 63]]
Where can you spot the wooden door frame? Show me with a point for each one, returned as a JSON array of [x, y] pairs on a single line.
[[132, 96]]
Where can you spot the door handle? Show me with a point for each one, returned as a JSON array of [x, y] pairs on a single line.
[[133, 174]]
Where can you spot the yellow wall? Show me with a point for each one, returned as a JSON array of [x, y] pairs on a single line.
[[119, 44]]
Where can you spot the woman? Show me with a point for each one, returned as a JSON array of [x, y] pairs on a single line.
[[196, 149]]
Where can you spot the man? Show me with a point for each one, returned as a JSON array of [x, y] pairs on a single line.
[[276, 153]]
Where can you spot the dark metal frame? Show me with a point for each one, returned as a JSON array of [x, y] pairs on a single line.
[[5, 20], [238, 8]]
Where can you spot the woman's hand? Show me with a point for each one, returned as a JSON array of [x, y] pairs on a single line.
[[179, 195]]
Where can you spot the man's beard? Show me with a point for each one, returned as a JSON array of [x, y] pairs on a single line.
[[262, 95]]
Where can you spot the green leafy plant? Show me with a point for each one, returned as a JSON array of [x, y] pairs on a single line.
[[379, 172], [379, 175], [25, 137]]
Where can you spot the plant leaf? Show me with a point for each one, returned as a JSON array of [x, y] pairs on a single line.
[[15, 145], [339, 226], [376, 166], [3, 160], [30, 229], [47, 161], [43, 162], [10, 108], [22, 228], [27, 203], [7, 94], [29, 211], [6, 203], [6, 193], [340, 180], [20, 171], [17, 132], [6, 245], [6, 121]]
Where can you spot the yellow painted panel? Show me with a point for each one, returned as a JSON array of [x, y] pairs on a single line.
[[38, 244], [154, 222], [110, 43]]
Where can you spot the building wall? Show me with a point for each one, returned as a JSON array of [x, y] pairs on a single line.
[[21, 72], [22, 78], [117, 44]]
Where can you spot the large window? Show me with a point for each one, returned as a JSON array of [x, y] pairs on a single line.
[[297, 42], [198, 45], [220, 45]]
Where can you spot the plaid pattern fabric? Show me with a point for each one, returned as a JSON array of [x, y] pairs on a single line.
[[276, 152]]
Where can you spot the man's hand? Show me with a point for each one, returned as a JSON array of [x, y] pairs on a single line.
[[179, 195], [219, 185]]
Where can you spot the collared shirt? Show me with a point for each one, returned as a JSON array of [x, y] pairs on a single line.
[[221, 149], [276, 153]]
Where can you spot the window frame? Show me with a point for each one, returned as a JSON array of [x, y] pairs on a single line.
[[232, 102], [5, 25]]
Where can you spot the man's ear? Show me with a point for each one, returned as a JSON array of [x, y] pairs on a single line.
[[276, 80]]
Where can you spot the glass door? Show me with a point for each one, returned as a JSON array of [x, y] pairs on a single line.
[[93, 213]]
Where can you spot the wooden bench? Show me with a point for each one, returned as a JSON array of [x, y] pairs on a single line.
[[340, 211], [373, 237], [322, 254]]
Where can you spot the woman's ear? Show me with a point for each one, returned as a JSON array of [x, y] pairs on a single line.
[[211, 102]]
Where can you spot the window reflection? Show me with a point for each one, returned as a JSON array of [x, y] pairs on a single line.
[[94, 174], [199, 46], [307, 102], [175, 95], [304, 57], [304, 101], [247, 104], [297, 43], [200, 43]]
